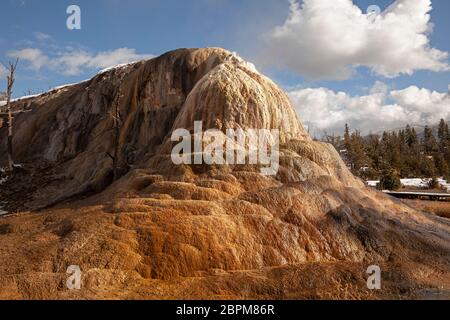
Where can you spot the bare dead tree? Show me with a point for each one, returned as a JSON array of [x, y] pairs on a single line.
[[9, 111], [10, 79]]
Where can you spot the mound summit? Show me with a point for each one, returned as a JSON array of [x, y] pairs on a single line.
[[195, 231]]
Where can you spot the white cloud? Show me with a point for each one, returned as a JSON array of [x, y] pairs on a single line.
[[111, 58], [325, 39], [71, 63], [35, 57], [74, 62], [323, 110]]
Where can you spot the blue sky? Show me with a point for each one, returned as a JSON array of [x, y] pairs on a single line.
[[152, 27]]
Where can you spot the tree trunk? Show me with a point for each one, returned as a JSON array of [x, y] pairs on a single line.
[[10, 126], [11, 79]]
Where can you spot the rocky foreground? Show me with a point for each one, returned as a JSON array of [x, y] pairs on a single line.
[[165, 231]]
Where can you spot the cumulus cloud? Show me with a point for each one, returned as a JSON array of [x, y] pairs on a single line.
[[74, 62], [325, 39], [111, 58], [323, 110], [35, 57]]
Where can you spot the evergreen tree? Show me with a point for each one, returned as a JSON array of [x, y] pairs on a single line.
[[429, 141], [390, 181], [357, 152], [443, 135], [441, 165], [411, 137], [400, 151], [347, 137]]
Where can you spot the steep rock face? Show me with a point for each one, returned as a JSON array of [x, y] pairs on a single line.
[[197, 231]]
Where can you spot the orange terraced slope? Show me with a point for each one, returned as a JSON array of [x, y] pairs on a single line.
[[166, 231]]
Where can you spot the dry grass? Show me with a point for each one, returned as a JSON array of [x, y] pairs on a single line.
[[440, 208]]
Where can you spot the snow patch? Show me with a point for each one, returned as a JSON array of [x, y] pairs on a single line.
[[55, 89], [119, 66], [372, 183], [27, 97], [2, 212], [3, 179], [65, 86], [444, 184], [416, 183]]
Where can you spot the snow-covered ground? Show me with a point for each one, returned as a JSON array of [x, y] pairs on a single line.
[[372, 183], [116, 67], [65, 86], [2, 212], [445, 184], [2, 181], [3, 103], [27, 97], [415, 183], [5, 178]]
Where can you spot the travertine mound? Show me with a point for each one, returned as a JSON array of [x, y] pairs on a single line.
[[196, 231], [72, 127], [235, 95]]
